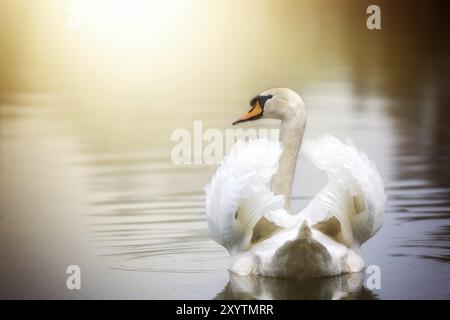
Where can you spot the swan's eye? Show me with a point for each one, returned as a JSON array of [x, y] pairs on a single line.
[[262, 100]]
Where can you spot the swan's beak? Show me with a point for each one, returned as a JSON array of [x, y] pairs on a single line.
[[254, 113]]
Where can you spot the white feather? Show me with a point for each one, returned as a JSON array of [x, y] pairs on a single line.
[[239, 193], [355, 192]]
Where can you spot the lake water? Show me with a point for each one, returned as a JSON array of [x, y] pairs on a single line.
[[101, 192]]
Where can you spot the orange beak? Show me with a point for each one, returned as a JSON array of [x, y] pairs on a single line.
[[253, 114]]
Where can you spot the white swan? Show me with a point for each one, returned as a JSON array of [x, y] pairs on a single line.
[[248, 199]]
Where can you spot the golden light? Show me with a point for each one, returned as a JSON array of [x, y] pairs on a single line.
[[121, 20]]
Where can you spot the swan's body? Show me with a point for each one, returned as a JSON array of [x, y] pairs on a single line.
[[248, 200]]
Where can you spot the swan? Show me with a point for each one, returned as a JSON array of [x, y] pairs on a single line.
[[248, 199]]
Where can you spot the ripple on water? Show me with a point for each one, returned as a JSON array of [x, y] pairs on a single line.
[[156, 233]]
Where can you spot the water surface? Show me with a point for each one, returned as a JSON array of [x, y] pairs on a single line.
[[90, 191]]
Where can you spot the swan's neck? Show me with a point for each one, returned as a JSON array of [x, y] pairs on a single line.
[[291, 135]]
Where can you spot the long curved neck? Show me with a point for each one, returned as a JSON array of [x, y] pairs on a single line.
[[291, 135]]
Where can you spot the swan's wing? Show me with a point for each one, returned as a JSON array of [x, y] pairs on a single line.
[[350, 208], [238, 194]]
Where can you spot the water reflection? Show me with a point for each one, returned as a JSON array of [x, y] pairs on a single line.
[[343, 287]]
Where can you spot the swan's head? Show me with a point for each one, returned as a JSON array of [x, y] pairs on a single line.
[[276, 103]]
